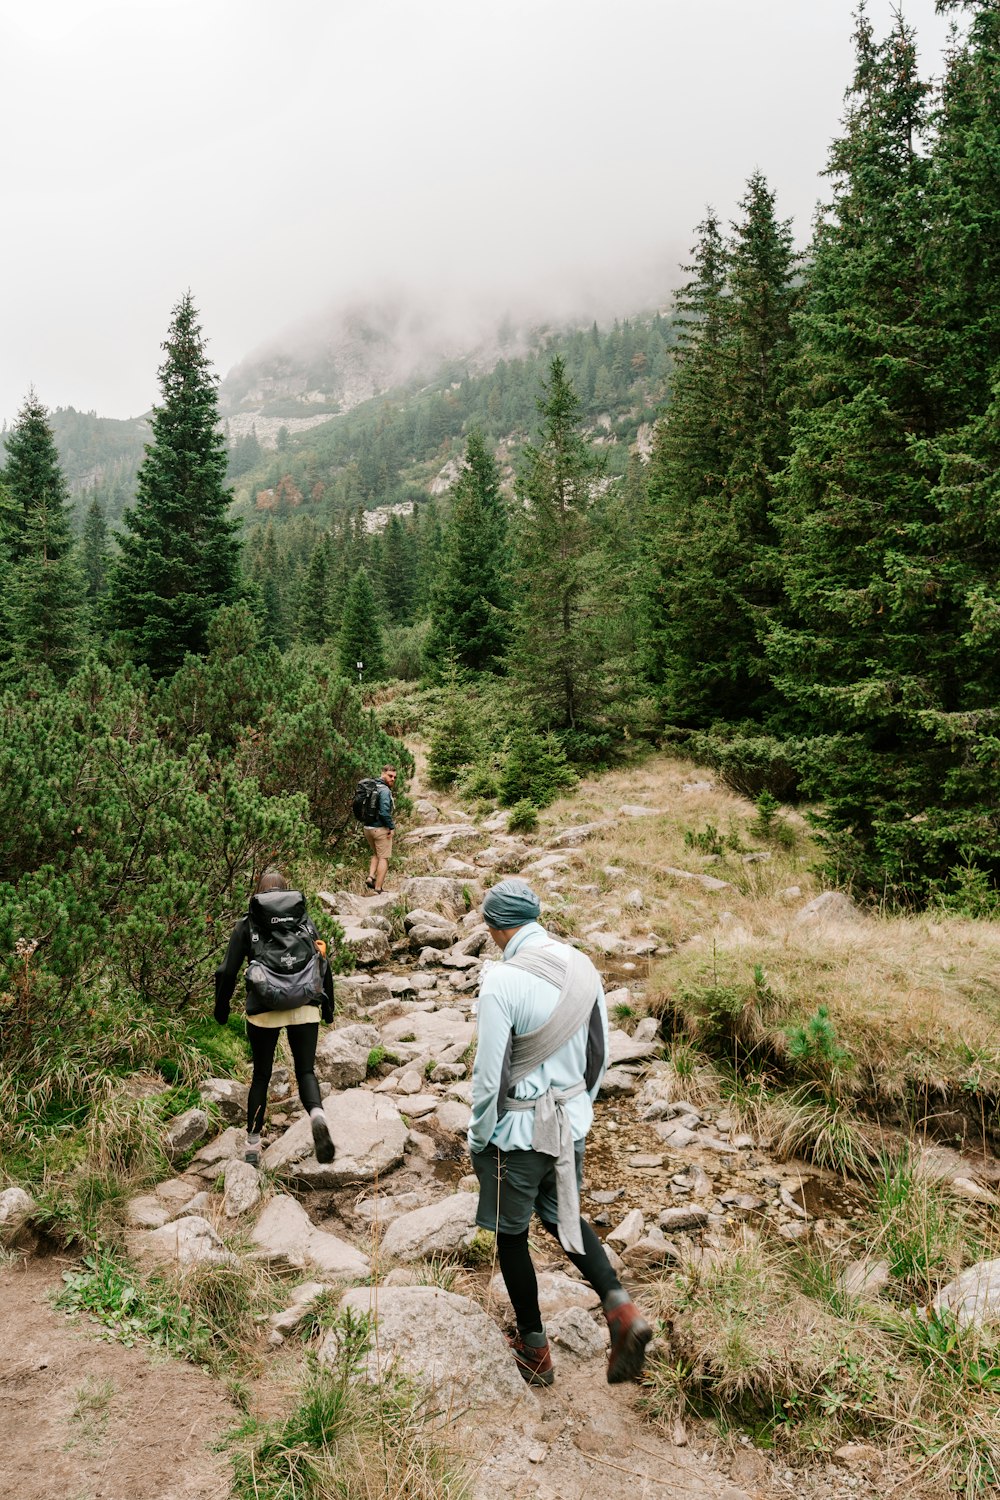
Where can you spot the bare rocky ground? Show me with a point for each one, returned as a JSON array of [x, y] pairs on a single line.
[[669, 1181]]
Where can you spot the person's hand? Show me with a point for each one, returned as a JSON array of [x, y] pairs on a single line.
[[222, 1011]]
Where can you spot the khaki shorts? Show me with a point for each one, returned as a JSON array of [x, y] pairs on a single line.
[[379, 841]]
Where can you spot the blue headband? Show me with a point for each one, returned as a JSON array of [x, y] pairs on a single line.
[[511, 903]]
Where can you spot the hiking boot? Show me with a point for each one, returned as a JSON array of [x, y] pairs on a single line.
[[322, 1142], [252, 1154], [533, 1360], [630, 1333]]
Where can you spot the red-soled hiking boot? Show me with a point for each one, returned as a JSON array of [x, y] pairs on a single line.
[[534, 1362], [630, 1333]]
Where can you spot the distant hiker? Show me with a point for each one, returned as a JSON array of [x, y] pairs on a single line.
[[541, 1053], [289, 984], [374, 805]]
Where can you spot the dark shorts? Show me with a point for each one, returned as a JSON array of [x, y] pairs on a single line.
[[515, 1184]]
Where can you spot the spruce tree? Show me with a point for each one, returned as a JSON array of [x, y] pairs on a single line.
[[558, 574], [398, 573], [471, 597], [179, 557], [44, 595], [871, 654], [34, 481], [95, 557], [686, 480], [361, 633], [314, 599]]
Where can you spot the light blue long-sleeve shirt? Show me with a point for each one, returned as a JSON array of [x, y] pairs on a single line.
[[512, 1000]]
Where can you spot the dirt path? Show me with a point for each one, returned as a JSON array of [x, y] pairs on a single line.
[[85, 1419]]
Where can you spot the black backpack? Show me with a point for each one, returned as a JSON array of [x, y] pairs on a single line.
[[286, 968], [366, 800]]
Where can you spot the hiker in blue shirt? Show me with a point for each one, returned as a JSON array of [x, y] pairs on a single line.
[[378, 829], [541, 1053]]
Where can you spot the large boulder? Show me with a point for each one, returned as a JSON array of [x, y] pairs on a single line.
[[369, 1138], [184, 1132], [973, 1298], [16, 1208], [439, 1229], [190, 1241], [436, 892], [228, 1097], [285, 1235], [368, 944], [347, 904], [439, 1340], [342, 1055]]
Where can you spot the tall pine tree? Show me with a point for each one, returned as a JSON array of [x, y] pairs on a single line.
[[471, 596], [44, 596], [179, 557], [556, 650], [361, 634]]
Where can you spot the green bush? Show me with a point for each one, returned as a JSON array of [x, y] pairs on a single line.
[[523, 817], [534, 769]]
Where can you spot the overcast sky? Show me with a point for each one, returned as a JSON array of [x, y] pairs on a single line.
[[279, 156]]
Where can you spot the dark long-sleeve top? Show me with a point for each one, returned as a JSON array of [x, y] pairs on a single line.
[[237, 954]]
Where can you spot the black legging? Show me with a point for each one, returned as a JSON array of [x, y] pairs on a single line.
[[522, 1285], [263, 1040]]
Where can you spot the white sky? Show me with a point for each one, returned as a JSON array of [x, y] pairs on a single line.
[[278, 156]]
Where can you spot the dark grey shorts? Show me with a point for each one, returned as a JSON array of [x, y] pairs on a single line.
[[515, 1184]]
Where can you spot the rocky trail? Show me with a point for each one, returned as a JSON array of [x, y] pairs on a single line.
[[670, 1181]]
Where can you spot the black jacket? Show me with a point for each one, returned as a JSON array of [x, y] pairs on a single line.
[[237, 954]]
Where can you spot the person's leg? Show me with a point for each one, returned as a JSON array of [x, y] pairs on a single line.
[[518, 1272], [302, 1041], [593, 1264], [263, 1040], [383, 848], [373, 862]]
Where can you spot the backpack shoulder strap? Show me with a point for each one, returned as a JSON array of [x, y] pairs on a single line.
[[578, 983]]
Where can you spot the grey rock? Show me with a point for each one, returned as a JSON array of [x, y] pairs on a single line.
[[439, 1229], [342, 1054], [241, 1192], [442, 1341], [653, 1249], [556, 1293], [447, 1072], [647, 1030], [629, 1230], [742, 1202], [367, 944], [645, 1163], [16, 1208], [228, 1097], [571, 838], [146, 1211], [422, 917], [618, 1083], [186, 1242], [672, 1220], [303, 1298], [368, 1135], [579, 1333], [638, 810], [606, 1195], [437, 892], [230, 1143], [285, 1235], [416, 1106], [424, 935], [973, 1298], [677, 1136], [634, 898], [623, 1048], [707, 882], [828, 906], [453, 1116], [382, 1209], [433, 1033], [184, 1132], [864, 1278], [347, 904]]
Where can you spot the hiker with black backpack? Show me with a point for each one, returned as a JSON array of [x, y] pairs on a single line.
[[541, 1052], [290, 985], [373, 807]]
